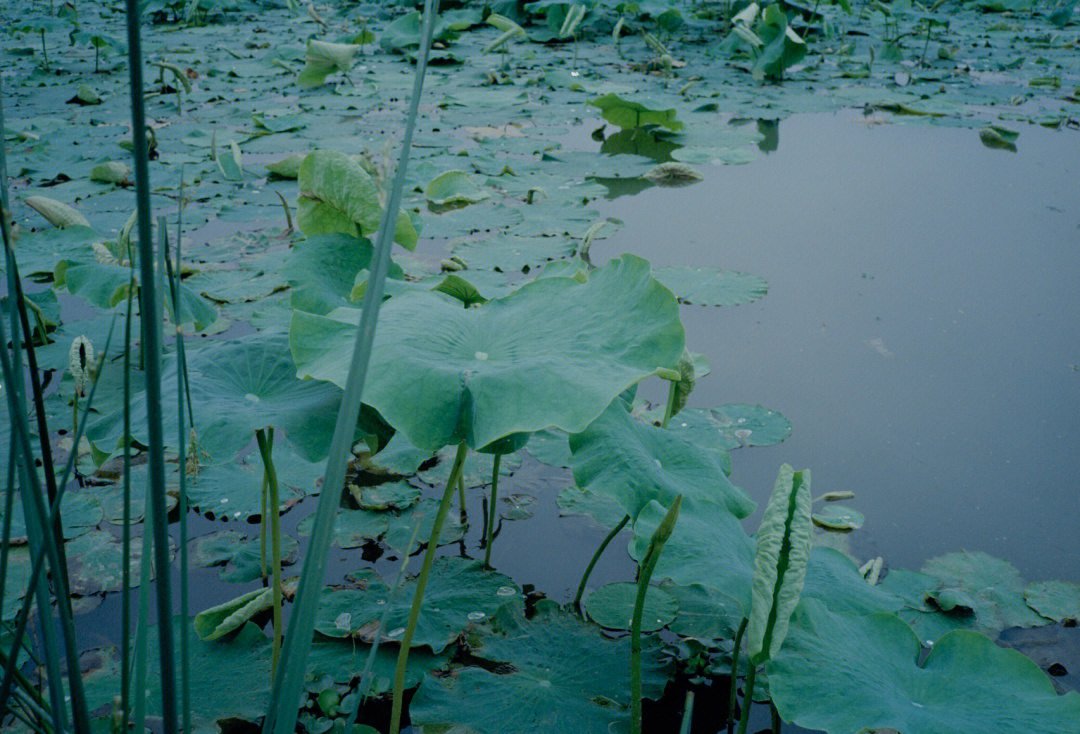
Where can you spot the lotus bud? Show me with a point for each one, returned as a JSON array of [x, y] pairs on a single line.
[[81, 363], [686, 383]]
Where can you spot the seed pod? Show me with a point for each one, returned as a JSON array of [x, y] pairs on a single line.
[[686, 383], [81, 362]]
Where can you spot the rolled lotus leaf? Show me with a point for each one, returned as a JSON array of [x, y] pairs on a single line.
[[216, 622], [783, 549], [59, 214]]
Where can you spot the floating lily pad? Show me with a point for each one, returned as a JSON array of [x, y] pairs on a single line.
[[345, 660], [627, 114], [1056, 600], [872, 664], [750, 425], [989, 587], [443, 374], [838, 517], [712, 287], [510, 254], [388, 496], [239, 555], [612, 606], [562, 676], [705, 613], [460, 593]]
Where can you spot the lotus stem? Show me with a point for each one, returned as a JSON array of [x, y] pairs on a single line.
[[596, 557], [776, 722], [266, 449], [735, 650], [687, 714], [492, 511], [262, 524], [125, 572], [421, 584], [748, 699], [648, 564], [669, 410]]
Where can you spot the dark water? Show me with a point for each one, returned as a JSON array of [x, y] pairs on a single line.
[[921, 329]]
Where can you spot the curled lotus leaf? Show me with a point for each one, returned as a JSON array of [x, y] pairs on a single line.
[[442, 374]]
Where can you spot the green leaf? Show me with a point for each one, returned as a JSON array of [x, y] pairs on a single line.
[[559, 675], [238, 555], [988, 586], [712, 287], [628, 115], [838, 517], [612, 606], [321, 271], [59, 214], [846, 673], [636, 463], [287, 167], [338, 195], [389, 496], [705, 613], [1056, 600], [453, 187], [323, 59], [216, 622], [114, 172], [460, 594], [442, 374], [783, 550]]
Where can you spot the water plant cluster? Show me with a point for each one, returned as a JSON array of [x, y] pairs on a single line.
[[335, 297]]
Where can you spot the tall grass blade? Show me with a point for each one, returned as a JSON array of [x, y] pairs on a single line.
[[281, 716], [151, 349]]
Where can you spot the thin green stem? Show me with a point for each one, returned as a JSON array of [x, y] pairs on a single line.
[[125, 578], [142, 626], [776, 721], [687, 714], [263, 523], [596, 557], [748, 698], [421, 584], [669, 410], [648, 565], [492, 510], [735, 651], [266, 449]]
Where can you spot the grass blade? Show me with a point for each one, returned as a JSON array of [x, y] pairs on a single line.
[[281, 717]]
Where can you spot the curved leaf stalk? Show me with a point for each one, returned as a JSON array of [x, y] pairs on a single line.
[[173, 275], [736, 649], [281, 716], [151, 342], [421, 584], [266, 450], [596, 557], [748, 698], [669, 409], [648, 565], [492, 510]]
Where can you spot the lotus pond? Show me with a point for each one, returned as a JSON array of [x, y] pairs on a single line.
[[416, 368]]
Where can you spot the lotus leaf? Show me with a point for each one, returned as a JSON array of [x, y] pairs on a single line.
[[636, 463], [628, 115], [460, 593], [95, 563], [389, 496], [323, 59], [58, 213], [510, 254], [612, 606], [322, 269], [705, 613], [338, 195], [218, 621], [454, 187], [989, 587], [250, 384], [239, 555], [442, 374], [712, 287], [1056, 600], [344, 661], [872, 665], [561, 675], [838, 517]]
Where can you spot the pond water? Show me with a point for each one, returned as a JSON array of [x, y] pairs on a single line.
[[921, 330]]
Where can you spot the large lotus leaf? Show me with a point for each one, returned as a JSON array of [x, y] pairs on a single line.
[[402, 531], [749, 425], [1056, 600], [239, 556], [443, 374], [40, 251], [345, 660], [79, 511], [460, 593], [833, 579], [847, 673], [398, 495], [238, 387], [636, 463], [712, 287], [612, 606], [398, 458], [603, 508], [511, 254], [95, 562], [558, 674], [783, 548], [321, 271], [229, 680], [705, 613], [628, 115], [476, 469], [322, 59], [352, 528], [234, 489], [550, 447], [988, 586], [338, 195]]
